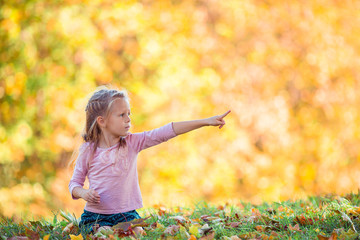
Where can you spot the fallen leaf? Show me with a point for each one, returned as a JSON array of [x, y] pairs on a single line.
[[222, 207], [124, 229], [332, 237], [295, 228], [183, 233], [281, 209], [248, 235], [237, 216], [140, 222], [349, 235], [124, 226], [194, 230], [172, 230], [304, 221], [260, 228], [179, 218], [74, 237], [234, 224], [255, 215], [220, 213], [210, 236], [154, 225], [207, 218], [271, 211], [270, 220], [205, 229], [32, 234], [346, 218], [120, 233], [255, 212], [235, 238], [69, 228], [162, 211]]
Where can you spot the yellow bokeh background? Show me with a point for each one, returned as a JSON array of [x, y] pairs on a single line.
[[287, 70]]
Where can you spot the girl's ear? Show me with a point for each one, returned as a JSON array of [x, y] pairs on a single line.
[[101, 121]]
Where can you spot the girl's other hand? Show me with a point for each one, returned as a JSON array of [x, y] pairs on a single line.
[[218, 120], [90, 195]]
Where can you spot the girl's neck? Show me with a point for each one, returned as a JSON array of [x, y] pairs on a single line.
[[108, 141]]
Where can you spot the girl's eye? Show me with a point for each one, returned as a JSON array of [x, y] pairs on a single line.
[[123, 114]]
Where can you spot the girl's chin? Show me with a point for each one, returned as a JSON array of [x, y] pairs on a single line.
[[125, 134]]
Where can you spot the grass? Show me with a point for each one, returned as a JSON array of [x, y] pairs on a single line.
[[322, 217]]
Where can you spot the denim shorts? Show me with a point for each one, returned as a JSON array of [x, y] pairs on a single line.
[[88, 219]]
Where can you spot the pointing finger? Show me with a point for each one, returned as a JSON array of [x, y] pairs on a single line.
[[224, 115]]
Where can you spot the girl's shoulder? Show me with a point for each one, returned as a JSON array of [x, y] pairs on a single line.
[[132, 138], [84, 147]]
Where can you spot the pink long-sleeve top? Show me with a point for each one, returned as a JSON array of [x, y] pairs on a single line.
[[112, 172]]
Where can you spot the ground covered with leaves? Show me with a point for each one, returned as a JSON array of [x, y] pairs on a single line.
[[324, 218]]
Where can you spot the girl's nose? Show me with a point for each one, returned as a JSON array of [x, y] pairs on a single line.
[[128, 119]]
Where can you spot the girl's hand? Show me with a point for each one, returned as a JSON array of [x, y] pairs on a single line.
[[218, 120], [90, 195]]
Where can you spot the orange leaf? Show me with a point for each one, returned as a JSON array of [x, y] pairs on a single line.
[[281, 209], [303, 221], [295, 228], [255, 212], [192, 237], [221, 207], [260, 228], [332, 237], [31, 234], [162, 211]]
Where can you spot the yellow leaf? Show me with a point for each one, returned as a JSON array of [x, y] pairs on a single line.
[[46, 237], [74, 237], [194, 230]]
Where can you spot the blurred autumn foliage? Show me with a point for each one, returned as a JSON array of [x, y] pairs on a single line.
[[288, 70]]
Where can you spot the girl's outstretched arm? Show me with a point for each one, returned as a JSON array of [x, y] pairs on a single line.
[[187, 126]]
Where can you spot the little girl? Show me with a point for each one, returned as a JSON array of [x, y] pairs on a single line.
[[108, 158]]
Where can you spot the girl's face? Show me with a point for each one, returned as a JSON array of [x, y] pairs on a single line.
[[118, 121]]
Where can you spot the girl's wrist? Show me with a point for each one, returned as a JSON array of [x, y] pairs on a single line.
[[206, 122], [82, 193]]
